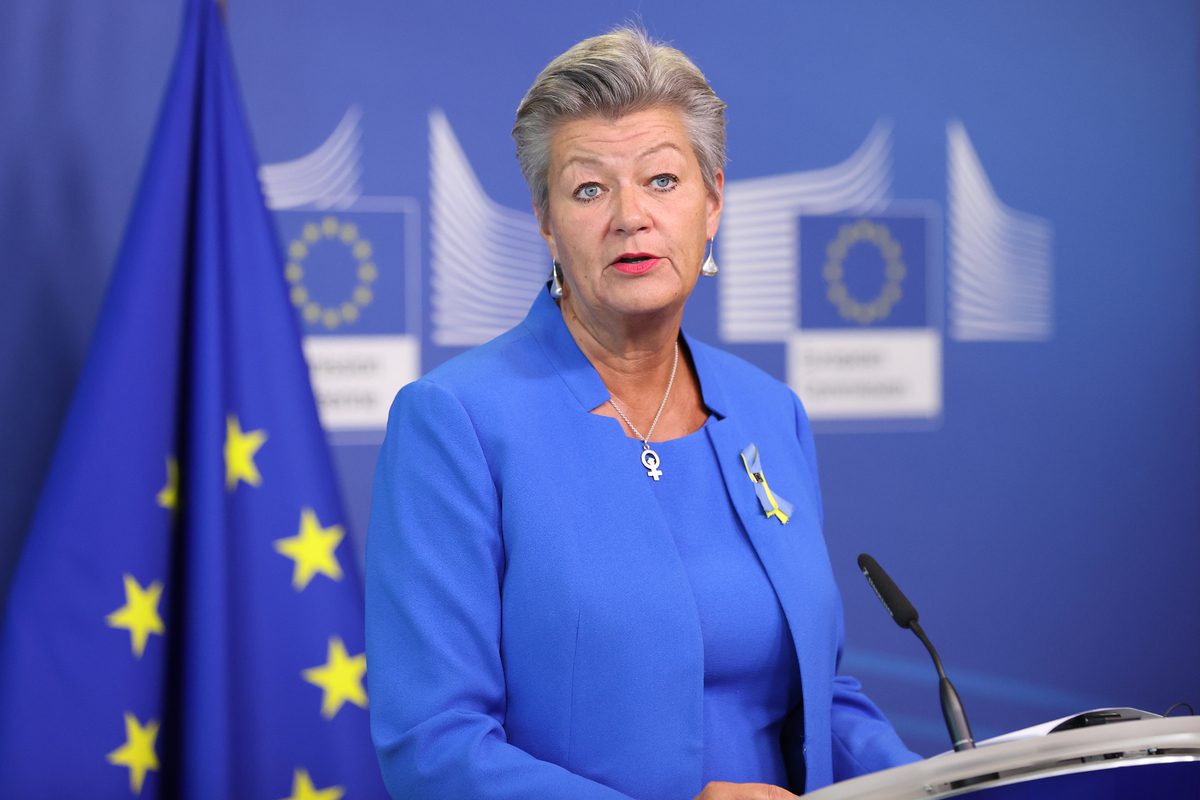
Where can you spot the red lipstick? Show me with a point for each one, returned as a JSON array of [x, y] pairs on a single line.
[[635, 263]]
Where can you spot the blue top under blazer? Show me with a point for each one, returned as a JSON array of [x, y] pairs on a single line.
[[531, 632]]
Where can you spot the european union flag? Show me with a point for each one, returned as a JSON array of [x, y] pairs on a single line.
[[859, 272], [186, 620]]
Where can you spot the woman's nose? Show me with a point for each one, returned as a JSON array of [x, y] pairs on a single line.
[[629, 212]]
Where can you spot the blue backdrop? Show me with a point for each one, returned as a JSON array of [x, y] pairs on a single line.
[[1012, 429]]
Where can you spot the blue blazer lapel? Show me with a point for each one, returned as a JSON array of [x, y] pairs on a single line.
[[795, 561]]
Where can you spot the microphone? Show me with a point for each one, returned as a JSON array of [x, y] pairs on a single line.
[[905, 615]]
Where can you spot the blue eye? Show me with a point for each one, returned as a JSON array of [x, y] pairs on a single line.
[[665, 182], [588, 191]]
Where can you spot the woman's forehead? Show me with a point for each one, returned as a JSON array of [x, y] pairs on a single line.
[[600, 141]]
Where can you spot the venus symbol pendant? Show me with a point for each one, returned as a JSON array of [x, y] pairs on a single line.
[[650, 461]]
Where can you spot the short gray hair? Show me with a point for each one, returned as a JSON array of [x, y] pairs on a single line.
[[610, 76]]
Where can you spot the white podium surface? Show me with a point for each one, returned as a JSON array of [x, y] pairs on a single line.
[[1116, 745]]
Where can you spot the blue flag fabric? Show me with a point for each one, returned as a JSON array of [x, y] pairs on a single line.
[[186, 619]]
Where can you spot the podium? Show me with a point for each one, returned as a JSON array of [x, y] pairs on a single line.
[[1153, 758]]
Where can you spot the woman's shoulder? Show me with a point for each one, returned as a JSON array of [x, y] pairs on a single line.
[[740, 381], [484, 378], [491, 361]]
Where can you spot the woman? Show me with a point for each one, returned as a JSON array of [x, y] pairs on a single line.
[[595, 566]]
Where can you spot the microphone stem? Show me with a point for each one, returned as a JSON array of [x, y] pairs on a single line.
[[952, 707], [937, 662]]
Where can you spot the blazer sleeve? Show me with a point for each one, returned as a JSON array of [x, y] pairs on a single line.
[[434, 565], [862, 739]]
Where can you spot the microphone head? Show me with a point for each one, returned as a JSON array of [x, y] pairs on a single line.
[[888, 592]]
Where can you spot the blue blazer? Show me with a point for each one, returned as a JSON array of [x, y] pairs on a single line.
[[531, 632]]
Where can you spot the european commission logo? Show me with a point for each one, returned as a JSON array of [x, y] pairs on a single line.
[[850, 282], [862, 272], [352, 271], [867, 344], [333, 273]]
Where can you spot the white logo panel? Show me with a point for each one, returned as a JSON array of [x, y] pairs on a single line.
[[868, 374], [355, 378]]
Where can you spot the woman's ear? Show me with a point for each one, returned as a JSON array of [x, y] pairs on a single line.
[[544, 229], [716, 202]]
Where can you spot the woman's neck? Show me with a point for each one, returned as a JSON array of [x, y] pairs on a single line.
[[633, 355]]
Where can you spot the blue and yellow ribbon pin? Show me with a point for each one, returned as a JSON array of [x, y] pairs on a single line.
[[772, 504]]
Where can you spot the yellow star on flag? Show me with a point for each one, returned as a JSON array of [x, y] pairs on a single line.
[[240, 447], [340, 677], [138, 751], [139, 615], [168, 496], [312, 550], [303, 789]]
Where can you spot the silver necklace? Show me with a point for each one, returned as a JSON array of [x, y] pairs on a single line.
[[650, 459]]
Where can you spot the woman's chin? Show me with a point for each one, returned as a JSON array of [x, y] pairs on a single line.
[[646, 308], [655, 292]]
